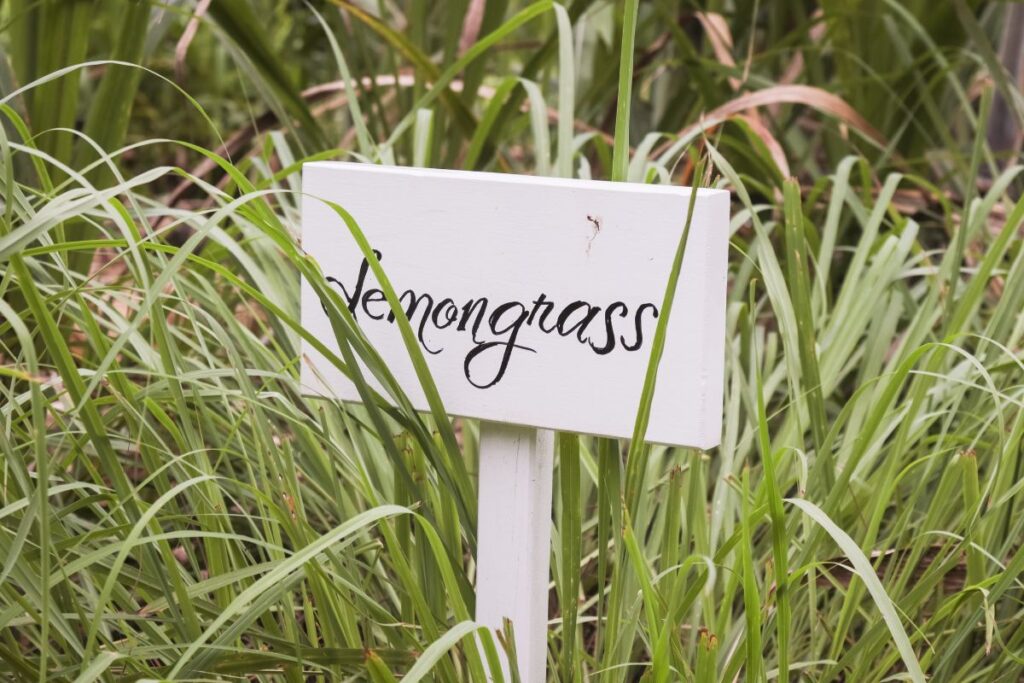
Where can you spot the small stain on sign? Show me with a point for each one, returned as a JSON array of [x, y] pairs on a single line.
[[595, 222]]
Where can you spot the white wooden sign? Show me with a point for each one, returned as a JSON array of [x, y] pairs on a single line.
[[535, 300]]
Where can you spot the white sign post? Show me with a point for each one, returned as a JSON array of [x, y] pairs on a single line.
[[535, 301], [514, 537]]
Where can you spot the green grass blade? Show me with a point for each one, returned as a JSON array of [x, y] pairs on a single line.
[[620, 159], [864, 570]]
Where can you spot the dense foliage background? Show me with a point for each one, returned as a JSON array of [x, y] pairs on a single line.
[[172, 508]]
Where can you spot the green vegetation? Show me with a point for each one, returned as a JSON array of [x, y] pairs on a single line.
[[172, 508]]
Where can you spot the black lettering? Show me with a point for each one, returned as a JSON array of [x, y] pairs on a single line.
[[609, 327], [502, 366], [373, 296], [581, 324], [414, 301], [447, 309], [639, 327], [487, 362], [581, 328], [511, 328], [354, 297], [467, 310], [548, 306]]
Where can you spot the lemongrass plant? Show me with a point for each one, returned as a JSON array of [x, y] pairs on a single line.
[[173, 508]]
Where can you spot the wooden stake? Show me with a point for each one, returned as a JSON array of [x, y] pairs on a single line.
[[514, 538]]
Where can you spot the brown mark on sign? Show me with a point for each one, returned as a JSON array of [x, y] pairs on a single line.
[[595, 222]]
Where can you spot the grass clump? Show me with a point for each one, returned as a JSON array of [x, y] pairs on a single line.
[[171, 506]]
